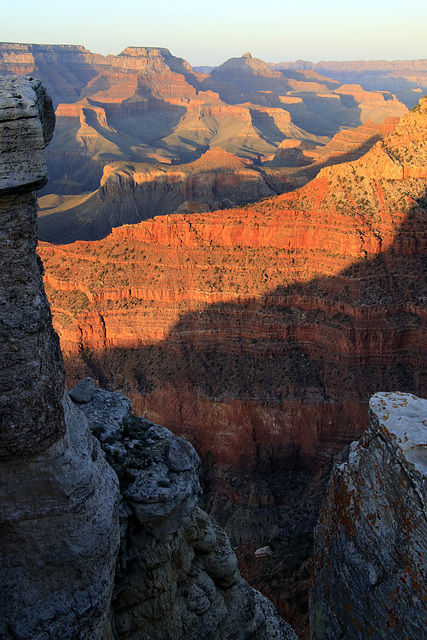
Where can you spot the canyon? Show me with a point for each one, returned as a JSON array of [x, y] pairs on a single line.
[[258, 308], [259, 334], [100, 538], [247, 326], [129, 128]]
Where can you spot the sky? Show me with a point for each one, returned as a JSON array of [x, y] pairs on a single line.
[[208, 33]]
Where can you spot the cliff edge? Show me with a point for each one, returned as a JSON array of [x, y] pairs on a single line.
[[370, 569]]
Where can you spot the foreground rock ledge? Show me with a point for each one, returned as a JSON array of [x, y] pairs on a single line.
[[176, 574], [370, 559]]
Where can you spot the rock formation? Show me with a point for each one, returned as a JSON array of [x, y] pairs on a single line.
[[369, 569], [62, 575], [59, 529], [131, 192], [176, 573], [405, 78]]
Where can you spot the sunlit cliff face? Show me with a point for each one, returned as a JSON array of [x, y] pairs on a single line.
[[274, 322]]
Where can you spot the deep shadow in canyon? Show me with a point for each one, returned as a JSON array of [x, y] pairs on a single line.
[[269, 389]]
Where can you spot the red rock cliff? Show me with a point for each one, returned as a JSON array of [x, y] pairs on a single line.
[[262, 331]]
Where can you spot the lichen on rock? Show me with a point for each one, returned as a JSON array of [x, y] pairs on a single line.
[[370, 569]]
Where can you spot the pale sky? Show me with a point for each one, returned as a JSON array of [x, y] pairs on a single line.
[[208, 33]]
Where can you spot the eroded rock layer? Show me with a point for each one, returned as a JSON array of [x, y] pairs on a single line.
[[369, 570]]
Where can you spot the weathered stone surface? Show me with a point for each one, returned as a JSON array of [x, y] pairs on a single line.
[[58, 497], [83, 391], [27, 121], [31, 370], [58, 539], [370, 568], [177, 574]]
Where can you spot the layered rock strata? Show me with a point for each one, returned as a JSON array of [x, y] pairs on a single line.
[[369, 569], [275, 322], [59, 531]]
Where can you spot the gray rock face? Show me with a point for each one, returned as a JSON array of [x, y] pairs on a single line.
[[59, 530], [58, 539], [370, 559], [177, 575], [31, 371]]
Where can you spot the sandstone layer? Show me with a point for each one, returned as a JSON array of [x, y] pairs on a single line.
[[132, 192], [369, 570], [59, 527]]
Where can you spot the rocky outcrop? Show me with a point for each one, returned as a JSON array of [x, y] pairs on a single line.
[[59, 529], [369, 570], [176, 574], [31, 385]]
